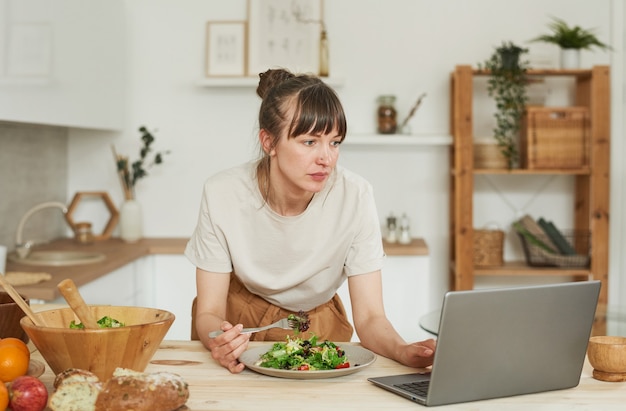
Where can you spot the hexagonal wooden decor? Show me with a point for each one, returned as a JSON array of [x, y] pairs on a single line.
[[108, 229]]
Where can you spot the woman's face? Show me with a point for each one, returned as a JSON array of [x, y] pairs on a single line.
[[303, 164]]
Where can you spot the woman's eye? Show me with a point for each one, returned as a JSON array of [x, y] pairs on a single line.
[[309, 142], [336, 143]]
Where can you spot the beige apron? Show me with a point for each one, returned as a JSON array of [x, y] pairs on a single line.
[[328, 321]]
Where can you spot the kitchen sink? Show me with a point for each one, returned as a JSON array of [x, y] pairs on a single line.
[[58, 258]]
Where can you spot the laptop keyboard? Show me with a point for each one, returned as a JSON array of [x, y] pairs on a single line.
[[419, 388]]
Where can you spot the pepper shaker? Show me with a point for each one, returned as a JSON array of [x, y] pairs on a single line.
[[391, 229]]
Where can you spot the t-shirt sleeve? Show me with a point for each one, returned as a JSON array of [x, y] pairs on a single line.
[[366, 253], [207, 248]]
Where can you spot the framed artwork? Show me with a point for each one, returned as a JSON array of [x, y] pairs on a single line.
[[226, 48], [284, 33]]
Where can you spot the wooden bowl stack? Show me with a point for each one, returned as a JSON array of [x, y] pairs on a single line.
[[10, 316], [100, 350], [607, 356]]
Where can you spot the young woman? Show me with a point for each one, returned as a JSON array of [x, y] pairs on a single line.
[[281, 234]]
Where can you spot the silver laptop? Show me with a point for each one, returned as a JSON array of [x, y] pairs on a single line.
[[502, 342]]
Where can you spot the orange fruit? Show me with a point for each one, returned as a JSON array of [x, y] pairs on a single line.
[[4, 397], [15, 342], [13, 363]]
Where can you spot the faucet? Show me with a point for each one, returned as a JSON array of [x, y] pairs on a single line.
[[23, 248]]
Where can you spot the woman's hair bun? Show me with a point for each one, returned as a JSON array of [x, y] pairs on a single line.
[[271, 78]]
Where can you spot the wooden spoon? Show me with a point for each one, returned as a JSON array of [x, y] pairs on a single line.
[[20, 301], [76, 302]]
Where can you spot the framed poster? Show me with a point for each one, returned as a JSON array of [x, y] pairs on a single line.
[[284, 33], [225, 48]]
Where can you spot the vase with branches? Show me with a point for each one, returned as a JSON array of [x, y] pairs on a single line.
[[131, 225], [507, 85], [129, 173]]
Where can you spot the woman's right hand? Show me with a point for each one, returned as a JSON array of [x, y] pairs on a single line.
[[228, 346]]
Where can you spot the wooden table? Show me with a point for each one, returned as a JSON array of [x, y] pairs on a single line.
[[214, 388]]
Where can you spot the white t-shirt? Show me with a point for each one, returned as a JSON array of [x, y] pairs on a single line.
[[295, 262]]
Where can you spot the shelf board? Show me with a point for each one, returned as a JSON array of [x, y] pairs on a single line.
[[544, 72], [521, 268], [398, 140], [252, 81], [519, 171], [417, 246]]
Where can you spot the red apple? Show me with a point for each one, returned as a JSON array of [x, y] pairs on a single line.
[[27, 393]]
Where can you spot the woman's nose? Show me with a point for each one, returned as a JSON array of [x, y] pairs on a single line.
[[324, 155]]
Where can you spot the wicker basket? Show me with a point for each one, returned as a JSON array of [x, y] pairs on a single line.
[[539, 257], [555, 138], [488, 248], [488, 155]]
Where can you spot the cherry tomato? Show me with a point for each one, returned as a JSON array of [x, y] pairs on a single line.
[[344, 365], [303, 367]]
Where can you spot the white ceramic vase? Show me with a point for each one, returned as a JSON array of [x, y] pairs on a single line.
[[570, 59], [131, 221]]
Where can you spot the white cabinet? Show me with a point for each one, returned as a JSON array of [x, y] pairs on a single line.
[[120, 287], [406, 290], [62, 63], [168, 282]]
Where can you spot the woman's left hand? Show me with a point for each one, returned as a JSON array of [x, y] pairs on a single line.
[[419, 354]]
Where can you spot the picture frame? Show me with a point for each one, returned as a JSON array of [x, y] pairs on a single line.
[[284, 34], [226, 48]]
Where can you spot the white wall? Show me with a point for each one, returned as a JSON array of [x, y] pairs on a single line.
[[402, 47]]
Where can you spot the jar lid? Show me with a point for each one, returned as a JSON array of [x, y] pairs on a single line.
[[83, 224]]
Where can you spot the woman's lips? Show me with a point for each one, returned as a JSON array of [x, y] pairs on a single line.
[[319, 176]]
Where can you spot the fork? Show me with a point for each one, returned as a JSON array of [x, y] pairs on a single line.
[[285, 323]]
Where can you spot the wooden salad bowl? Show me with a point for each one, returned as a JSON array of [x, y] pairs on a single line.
[[99, 350]]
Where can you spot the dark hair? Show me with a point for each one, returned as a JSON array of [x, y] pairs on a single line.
[[317, 107]]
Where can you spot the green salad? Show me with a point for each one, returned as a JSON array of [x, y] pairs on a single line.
[[104, 322], [304, 355]]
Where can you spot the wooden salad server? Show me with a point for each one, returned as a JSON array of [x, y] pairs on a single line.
[[76, 302]]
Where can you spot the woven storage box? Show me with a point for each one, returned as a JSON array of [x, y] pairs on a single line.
[[539, 257], [554, 137], [488, 248]]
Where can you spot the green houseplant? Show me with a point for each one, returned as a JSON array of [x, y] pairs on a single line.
[[571, 39], [507, 84]]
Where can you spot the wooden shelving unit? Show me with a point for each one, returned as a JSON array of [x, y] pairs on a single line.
[[591, 205]]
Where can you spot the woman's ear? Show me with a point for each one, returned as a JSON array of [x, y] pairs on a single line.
[[266, 142]]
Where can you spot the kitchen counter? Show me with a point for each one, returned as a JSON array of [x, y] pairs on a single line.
[[214, 388], [119, 253]]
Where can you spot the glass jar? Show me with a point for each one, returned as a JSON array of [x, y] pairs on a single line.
[[387, 114], [84, 235]]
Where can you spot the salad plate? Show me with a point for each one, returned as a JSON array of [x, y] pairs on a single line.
[[358, 357]]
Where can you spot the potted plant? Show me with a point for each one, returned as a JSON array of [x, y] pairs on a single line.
[[571, 40], [507, 84]]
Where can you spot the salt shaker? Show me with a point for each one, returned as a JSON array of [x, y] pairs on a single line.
[[405, 230]]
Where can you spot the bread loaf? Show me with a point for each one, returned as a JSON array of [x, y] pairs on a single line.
[[80, 390], [147, 392], [75, 396], [76, 375]]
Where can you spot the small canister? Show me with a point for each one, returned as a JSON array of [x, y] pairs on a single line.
[[387, 114], [83, 233]]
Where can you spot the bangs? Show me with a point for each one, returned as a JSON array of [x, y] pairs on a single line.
[[318, 111]]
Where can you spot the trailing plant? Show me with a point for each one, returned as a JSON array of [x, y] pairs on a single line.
[[507, 85], [568, 37]]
